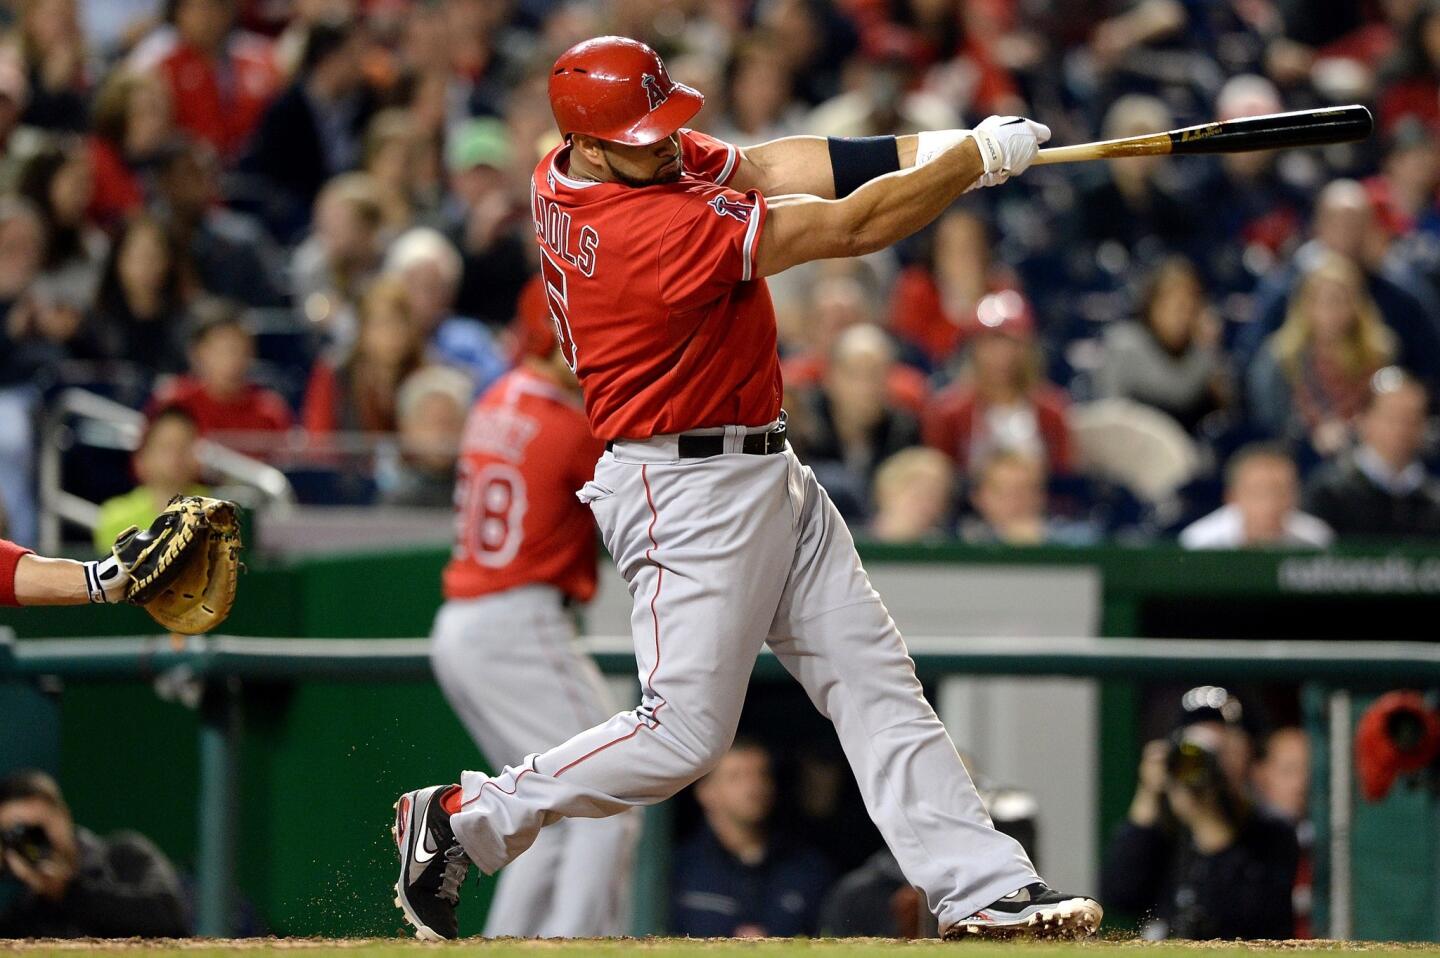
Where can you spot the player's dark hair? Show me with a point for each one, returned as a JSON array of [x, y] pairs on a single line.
[[30, 784]]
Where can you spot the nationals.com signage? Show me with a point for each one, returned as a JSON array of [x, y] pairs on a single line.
[[1375, 574]]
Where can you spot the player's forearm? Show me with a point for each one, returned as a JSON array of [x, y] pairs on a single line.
[[802, 164], [886, 210], [41, 581]]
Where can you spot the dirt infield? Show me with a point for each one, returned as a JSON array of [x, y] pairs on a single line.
[[687, 948]]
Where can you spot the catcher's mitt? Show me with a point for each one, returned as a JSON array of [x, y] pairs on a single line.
[[183, 568]]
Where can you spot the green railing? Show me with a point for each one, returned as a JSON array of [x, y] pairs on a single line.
[[216, 669]]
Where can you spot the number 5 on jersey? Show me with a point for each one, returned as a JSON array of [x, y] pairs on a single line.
[[556, 295]]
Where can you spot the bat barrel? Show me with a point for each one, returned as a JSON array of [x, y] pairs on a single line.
[[1341, 124]]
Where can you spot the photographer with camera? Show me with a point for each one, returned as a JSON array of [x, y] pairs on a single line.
[[76, 884], [1195, 857]]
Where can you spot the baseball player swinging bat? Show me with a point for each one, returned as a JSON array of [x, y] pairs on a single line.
[[1341, 124], [655, 241]]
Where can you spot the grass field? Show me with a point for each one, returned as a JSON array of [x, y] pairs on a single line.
[[691, 948]]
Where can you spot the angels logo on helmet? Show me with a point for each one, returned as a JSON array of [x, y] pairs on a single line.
[[656, 95]]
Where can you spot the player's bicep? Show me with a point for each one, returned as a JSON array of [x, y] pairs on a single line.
[[801, 229], [792, 164]]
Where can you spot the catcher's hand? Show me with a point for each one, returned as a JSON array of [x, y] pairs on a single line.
[[183, 568]]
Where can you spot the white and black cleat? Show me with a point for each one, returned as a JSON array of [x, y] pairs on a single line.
[[1035, 911], [433, 865]]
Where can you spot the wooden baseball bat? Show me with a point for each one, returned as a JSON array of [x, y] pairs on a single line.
[[1340, 124]]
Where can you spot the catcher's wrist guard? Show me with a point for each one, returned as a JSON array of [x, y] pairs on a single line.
[[105, 580]]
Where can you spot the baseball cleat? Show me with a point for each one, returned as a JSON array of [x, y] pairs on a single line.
[[432, 864], [1035, 911]]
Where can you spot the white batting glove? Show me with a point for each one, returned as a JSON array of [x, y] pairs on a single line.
[[1008, 145]]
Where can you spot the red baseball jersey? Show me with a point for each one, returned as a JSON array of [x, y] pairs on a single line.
[[525, 451], [654, 295]]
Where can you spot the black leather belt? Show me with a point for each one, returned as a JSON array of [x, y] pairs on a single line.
[[692, 446]]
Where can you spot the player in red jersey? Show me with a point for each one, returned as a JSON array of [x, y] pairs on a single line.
[[655, 241], [503, 643]]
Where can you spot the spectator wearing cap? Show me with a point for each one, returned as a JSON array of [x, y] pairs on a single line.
[[1311, 380], [313, 130], [165, 464], [1195, 857], [428, 266], [848, 426], [131, 124], [914, 497], [1000, 400], [220, 78], [1009, 497], [1382, 489], [1170, 358], [1262, 495], [934, 300], [360, 395], [222, 252], [218, 393], [431, 408], [486, 220]]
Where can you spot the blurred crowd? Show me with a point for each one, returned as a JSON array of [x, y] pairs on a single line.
[[301, 227]]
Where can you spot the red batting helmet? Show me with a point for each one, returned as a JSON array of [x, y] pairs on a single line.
[[617, 89]]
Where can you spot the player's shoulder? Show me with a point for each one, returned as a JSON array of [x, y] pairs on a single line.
[[692, 196]]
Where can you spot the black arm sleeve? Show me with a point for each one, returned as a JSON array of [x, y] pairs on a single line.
[[856, 160]]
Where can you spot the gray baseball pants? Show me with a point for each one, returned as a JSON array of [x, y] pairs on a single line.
[[723, 555]]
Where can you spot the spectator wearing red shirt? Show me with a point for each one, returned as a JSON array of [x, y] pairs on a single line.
[[218, 392], [220, 79], [1000, 402]]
